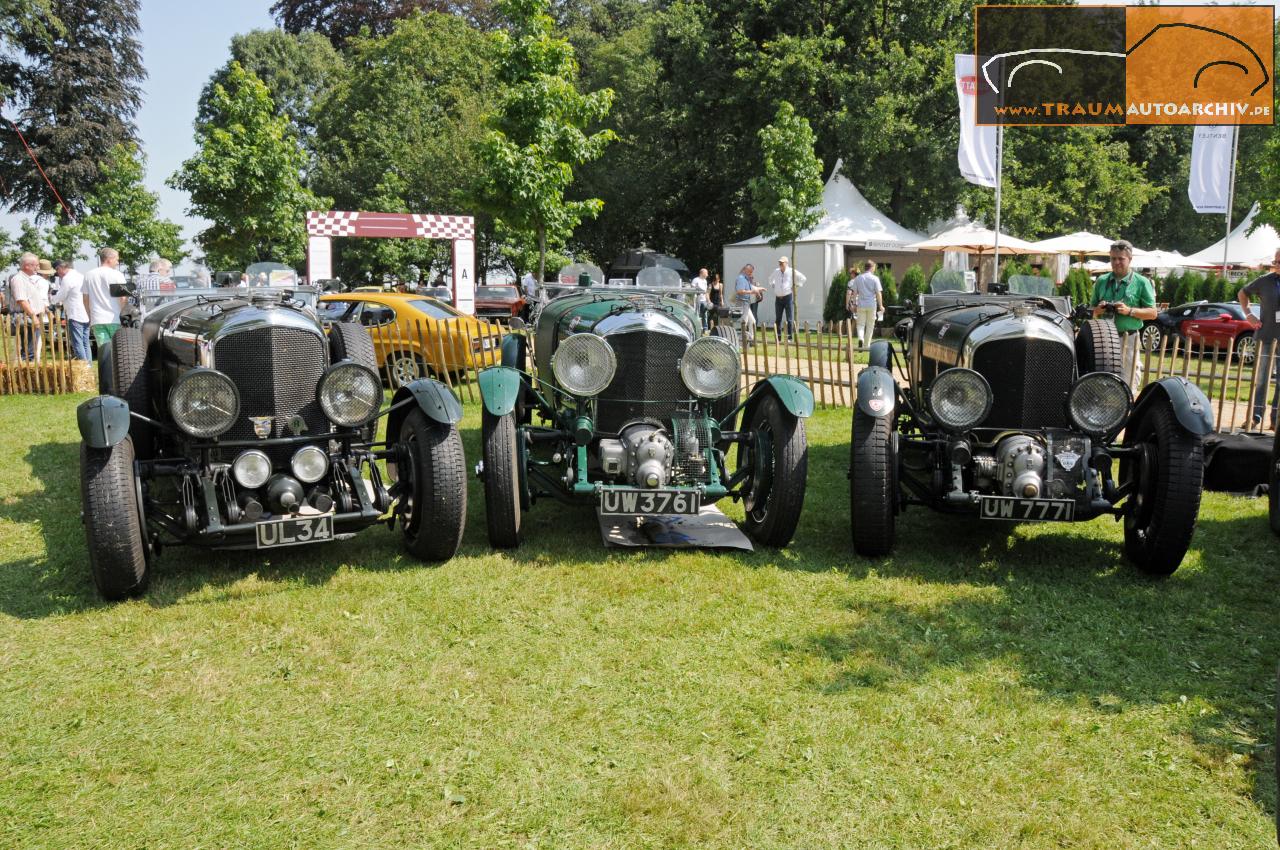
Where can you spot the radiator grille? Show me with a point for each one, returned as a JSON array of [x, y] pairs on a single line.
[[1029, 378], [276, 371], [647, 383]]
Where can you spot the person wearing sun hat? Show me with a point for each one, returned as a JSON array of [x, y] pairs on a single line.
[[784, 282]]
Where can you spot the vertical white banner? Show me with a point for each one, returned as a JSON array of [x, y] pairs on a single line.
[[464, 275], [319, 258], [977, 154], [1210, 185]]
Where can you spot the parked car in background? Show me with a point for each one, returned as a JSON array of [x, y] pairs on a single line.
[[230, 420], [414, 334], [443, 293], [1219, 323], [499, 303]]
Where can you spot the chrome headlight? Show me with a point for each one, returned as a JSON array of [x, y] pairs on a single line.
[[350, 394], [959, 399], [309, 464], [710, 367], [1099, 403], [584, 364], [204, 403], [251, 469]]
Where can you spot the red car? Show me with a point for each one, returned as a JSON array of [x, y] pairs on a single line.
[[499, 303], [1221, 324]]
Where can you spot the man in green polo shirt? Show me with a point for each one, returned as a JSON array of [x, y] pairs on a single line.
[[1134, 301]]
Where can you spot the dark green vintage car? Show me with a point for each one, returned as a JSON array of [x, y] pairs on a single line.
[[637, 414]]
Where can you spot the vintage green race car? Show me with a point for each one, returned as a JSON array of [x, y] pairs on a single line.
[[638, 413]]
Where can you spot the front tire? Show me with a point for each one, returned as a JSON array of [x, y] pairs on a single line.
[[433, 508], [1098, 348], [129, 382], [502, 473], [1166, 481], [113, 526], [1273, 487], [779, 455], [872, 485]]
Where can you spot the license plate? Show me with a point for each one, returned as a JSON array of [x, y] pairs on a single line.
[[295, 531], [635, 502], [1027, 510]]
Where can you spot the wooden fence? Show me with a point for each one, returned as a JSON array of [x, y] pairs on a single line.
[[41, 362]]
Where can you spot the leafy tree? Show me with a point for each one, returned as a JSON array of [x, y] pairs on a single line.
[[31, 239], [913, 283], [22, 21], [340, 20], [833, 309], [890, 284], [9, 251], [399, 131], [122, 212], [298, 71], [788, 194], [246, 178], [77, 98], [538, 133], [66, 240]]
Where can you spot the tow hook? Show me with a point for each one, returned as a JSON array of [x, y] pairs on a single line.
[[480, 469]]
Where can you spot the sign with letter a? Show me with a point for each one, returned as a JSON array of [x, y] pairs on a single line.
[[464, 275]]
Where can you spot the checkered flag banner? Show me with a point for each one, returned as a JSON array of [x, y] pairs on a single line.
[[331, 223], [445, 226]]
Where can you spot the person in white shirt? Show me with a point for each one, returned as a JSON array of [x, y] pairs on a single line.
[[29, 300], [700, 284], [71, 297], [529, 284], [744, 292], [784, 282], [159, 277], [103, 309], [865, 299]]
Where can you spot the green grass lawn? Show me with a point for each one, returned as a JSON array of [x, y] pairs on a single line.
[[985, 687]]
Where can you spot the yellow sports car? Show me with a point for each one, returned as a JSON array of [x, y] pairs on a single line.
[[414, 334]]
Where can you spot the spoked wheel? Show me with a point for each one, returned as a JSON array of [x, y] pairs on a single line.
[[1151, 337], [1273, 489], [1246, 348], [405, 368], [433, 504], [502, 473], [1165, 479], [872, 485], [779, 459], [114, 527]]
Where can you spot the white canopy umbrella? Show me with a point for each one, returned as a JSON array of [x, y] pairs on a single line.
[[971, 238], [1157, 260], [1245, 246], [1080, 243]]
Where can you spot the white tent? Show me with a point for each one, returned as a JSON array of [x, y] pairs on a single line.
[[1243, 248], [851, 230]]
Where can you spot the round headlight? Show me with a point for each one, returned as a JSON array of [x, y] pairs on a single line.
[[959, 399], [584, 364], [309, 464], [350, 394], [204, 403], [709, 367], [251, 469], [1099, 403]]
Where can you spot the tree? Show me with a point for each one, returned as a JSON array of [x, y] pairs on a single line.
[[30, 239], [122, 212], [246, 178], [340, 20], [538, 133], [66, 239], [788, 194], [22, 21], [76, 99]]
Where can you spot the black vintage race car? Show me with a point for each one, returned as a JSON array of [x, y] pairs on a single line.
[[1273, 485], [638, 413], [230, 420], [1010, 414]]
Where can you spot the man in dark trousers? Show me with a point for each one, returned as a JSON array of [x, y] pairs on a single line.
[[1266, 338]]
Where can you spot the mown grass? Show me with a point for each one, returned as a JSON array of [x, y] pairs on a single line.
[[982, 688]]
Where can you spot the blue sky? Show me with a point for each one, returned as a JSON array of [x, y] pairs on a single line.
[[182, 44]]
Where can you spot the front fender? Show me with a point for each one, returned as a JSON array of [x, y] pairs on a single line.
[[1190, 406], [103, 421], [500, 389], [790, 391], [877, 391], [513, 347], [436, 401]]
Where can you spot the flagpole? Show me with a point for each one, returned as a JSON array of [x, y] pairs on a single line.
[[995, 273], [1231, 197]]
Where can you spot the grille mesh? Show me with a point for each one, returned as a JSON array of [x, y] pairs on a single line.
[[1029, 378], [647, 383], [692, 440], [277, 371]]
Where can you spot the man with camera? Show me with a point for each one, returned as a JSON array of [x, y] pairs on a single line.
[[1128, 299]]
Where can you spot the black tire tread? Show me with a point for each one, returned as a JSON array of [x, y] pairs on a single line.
[[129, 382], [348, 341], [112, 528], [1273, 488], [871, 484], [1176, 501], [790, 469], [434, 531], [1098, 348], [501, 480]]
